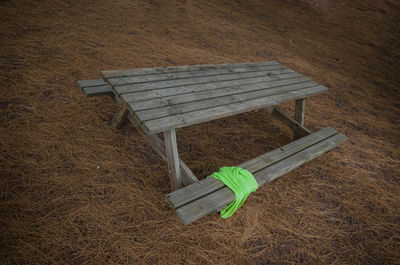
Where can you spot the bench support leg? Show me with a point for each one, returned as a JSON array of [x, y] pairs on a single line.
[[119, 117], [171, 149], [159, 146], [289, 122], [299, 109]]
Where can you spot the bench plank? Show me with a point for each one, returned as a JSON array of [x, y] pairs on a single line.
[[216, 101], [299, 109], [174, 69], [93, 82], [171, 150], [187, 74], [95, 87], [289, 122], [123, 89], [93, 91], [208, 185], [166, 97], [190, 118], [219, 199]]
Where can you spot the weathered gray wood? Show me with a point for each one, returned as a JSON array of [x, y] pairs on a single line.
[[174, 69], [93, 82], [172, 96], [292, 124], [188, 177], [215, 101], [93, 91], [299, 109], [171, 149], [219, 199], [180, 75], [208, 185], [122, 89], [159, 147], [190, 118], [297, 94], [119, 116]]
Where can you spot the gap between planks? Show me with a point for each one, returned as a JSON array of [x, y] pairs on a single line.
[[122, 81], [173, 69], [209, 185], [190, 118], [123, 89], [218, 200]]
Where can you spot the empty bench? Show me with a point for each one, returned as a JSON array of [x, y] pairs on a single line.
[[95, 87], [163, 99]]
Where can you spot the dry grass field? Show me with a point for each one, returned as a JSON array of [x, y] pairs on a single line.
[[75, 191]]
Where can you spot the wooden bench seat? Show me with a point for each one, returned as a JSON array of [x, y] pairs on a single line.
[[209, 195], [95, 87]]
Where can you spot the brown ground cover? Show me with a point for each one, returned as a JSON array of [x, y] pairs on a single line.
[[58, 207]]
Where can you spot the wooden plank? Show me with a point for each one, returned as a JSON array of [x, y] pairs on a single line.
[[180, 75], [273, 172], [188, 177], [172, 96], [93, 82], [297, 94], [193, 192], [94, 91], [219, 199], [171, 149], [266, 160], [208, 185], [159, 146], [197, 80], [190, 118], [173, 69], [217, 101], [119, 116], [292, 124], [299, 109]]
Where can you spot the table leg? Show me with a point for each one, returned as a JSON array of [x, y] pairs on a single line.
[[289, 122], [299, 109], [171, 149], [158, 145], [119, 116]]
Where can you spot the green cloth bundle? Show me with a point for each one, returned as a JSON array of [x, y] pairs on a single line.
[[240, 181]]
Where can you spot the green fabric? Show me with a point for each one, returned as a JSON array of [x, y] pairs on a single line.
[[240, 181]]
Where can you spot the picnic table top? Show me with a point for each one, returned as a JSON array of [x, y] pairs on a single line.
[[165, 98]]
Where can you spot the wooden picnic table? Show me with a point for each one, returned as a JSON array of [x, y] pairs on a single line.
[[163, 99]]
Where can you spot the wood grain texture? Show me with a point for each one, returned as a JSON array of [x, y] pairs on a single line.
[[159, 147], [299, 109], [162, 99], [172, 96], [130, 88], [94, 91], [93, 82], [174, 69], [211, 102], [188, 74], [218, 200], [209, 185], [171, 149], [203, 115]]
